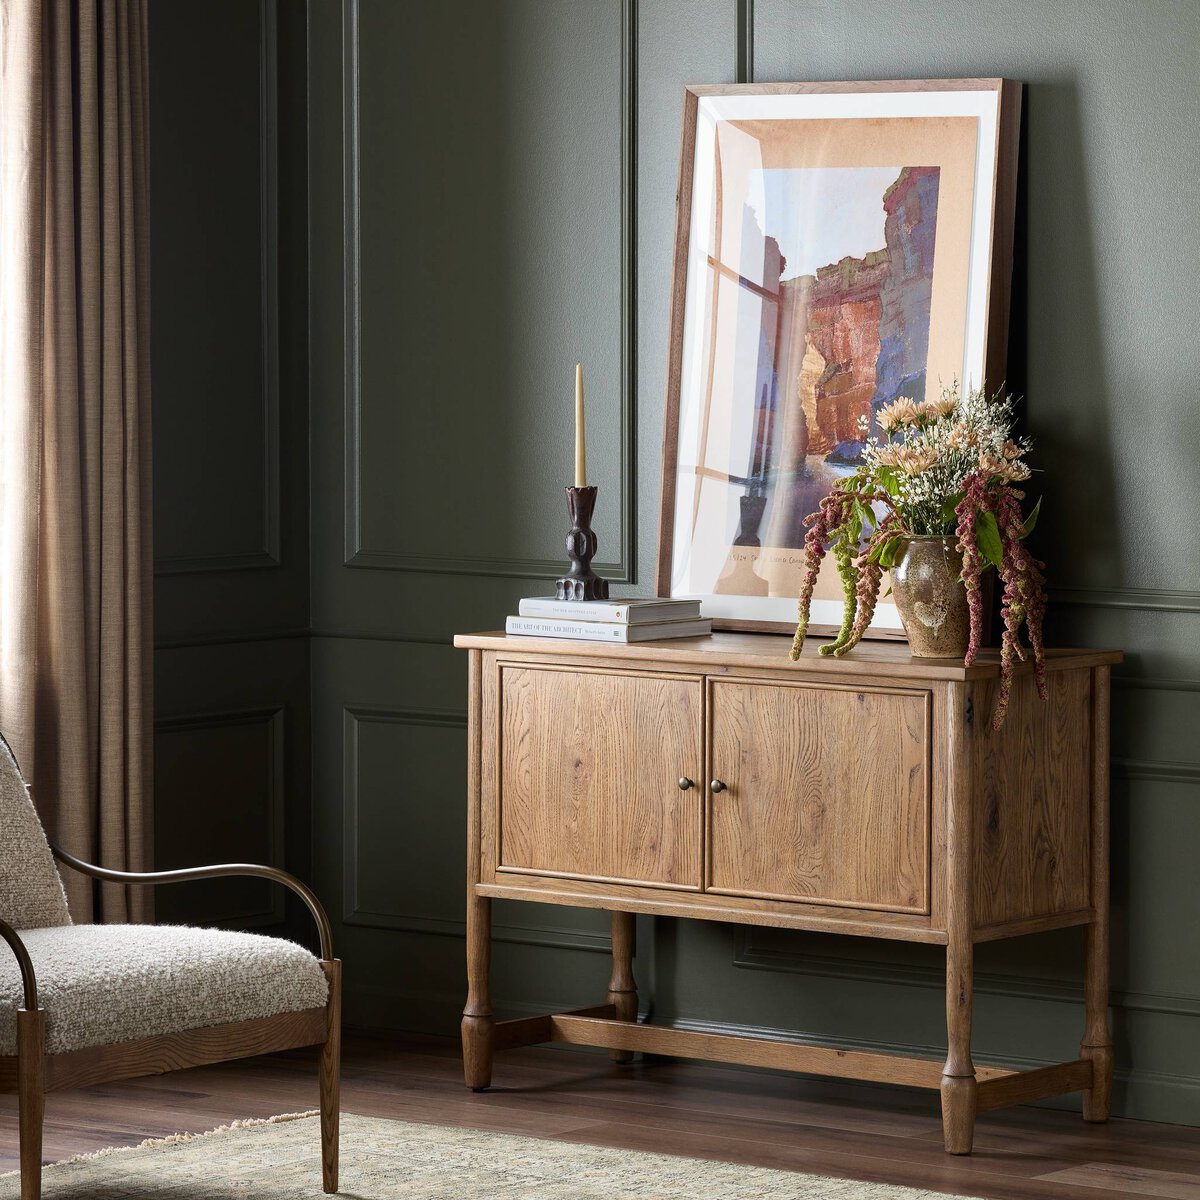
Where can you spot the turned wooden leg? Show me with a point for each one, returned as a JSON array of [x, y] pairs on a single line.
[[1097, 1040], [478, 1023], [31, 1098], [622, 990], [330, 1069], [959, 1087]]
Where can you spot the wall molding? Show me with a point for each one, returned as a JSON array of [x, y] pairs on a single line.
[[270, 554], [355, 635], [787, 962], [272, 718], [355, 553], [1156, 769], [744, 42], [627, 491], [1150, 683], [354, 914], [232, 637], [1140, 599]]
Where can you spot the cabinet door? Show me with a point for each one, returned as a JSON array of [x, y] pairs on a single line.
[[826, 795], [590, 764]]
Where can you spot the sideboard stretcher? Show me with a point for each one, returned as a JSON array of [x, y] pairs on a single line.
[[645, 778]]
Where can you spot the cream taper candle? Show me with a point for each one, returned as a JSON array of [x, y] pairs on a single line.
[[580, 439]]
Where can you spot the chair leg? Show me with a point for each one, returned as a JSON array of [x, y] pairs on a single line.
[[31, 1097], [331, 1078]]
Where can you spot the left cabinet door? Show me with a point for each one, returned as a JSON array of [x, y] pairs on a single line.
[[591, 765]]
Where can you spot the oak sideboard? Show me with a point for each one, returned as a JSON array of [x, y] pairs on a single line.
[[712, 778]]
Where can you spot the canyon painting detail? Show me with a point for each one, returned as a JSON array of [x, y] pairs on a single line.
[[833, 255], [840, 341]]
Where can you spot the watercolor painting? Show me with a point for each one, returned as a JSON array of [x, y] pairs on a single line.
[[841, 322], [828, 266]]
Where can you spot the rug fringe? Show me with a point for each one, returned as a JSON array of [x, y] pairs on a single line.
[[175, 1138]]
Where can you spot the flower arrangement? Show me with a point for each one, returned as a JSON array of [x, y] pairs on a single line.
[[945, 467]]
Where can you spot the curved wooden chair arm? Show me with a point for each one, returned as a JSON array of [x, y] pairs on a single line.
[[220, 872], [28, 978]]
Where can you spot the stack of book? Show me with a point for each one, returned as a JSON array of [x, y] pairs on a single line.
[[609, 620]]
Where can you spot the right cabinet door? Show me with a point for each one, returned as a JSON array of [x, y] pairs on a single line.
[[820, 794]]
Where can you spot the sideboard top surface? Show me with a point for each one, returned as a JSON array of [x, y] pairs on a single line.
[[767, 651]]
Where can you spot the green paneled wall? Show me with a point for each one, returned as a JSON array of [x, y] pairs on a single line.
[[228, 349], [490, 192]]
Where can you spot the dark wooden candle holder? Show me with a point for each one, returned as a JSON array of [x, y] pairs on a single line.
[[581, 582]]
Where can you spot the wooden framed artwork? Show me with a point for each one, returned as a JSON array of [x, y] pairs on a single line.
[[837, 246]]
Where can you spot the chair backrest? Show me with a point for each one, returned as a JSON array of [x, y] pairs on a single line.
[[31, 893]]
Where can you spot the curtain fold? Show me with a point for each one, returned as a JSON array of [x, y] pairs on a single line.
[[75, 498]]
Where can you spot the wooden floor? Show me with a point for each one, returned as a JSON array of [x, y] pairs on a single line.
[[855, 1131]]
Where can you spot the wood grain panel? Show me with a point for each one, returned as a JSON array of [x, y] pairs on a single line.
[[805, 815], [590, 763], [1032, 801]]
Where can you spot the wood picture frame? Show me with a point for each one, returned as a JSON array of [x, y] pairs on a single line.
[[901, 122]]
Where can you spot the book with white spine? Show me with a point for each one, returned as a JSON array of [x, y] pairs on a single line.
[[606, 631], [620, 612]]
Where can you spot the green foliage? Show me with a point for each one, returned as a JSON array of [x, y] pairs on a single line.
[[889, 477], [949, 516], [1032, 519], [887, 553], [987, 537]]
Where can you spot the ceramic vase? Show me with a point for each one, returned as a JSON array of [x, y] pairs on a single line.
[[930, 596]]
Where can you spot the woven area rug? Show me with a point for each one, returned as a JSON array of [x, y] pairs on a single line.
[[382, 1160]]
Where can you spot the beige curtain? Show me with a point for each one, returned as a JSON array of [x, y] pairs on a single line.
[[75, 549]]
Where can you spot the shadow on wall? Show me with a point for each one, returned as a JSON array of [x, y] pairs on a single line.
[[1066, 352]]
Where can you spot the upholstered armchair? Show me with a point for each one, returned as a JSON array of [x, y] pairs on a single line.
[[86, 1004]]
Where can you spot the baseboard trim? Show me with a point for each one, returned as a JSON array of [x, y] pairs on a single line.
[[870, 971]]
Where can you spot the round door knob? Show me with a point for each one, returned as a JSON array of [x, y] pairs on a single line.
[[684, 783], [717, 785]]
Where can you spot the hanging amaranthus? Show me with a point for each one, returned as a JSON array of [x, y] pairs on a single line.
[[868, 576], [942, 467], [974, 493], [822, 527], [843, 553], [1024, 593]]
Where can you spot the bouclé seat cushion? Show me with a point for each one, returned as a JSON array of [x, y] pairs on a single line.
[[104, 984]]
